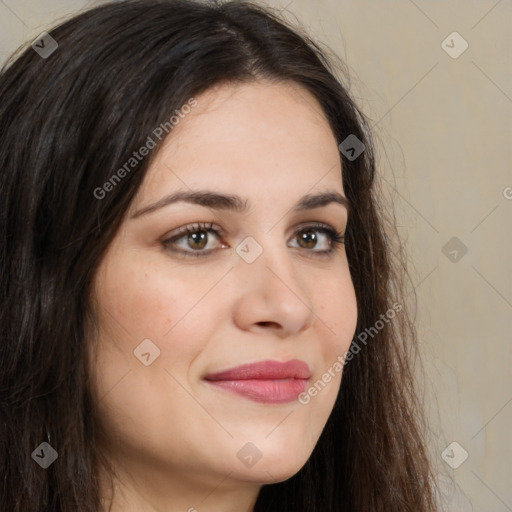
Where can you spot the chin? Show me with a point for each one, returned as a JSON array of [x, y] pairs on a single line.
[[275, 467], [270, 474]]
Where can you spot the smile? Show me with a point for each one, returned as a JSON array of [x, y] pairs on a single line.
[[265, 381]]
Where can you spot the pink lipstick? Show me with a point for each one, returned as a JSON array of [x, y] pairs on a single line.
[[265, 381]]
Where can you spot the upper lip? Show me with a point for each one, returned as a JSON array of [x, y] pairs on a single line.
[[264, 370]]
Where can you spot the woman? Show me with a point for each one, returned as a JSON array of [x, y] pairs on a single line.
[[199, 307]]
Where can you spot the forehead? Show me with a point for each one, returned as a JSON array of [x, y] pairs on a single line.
[[256, 137]]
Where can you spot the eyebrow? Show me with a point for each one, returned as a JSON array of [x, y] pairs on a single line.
[[237, 204]]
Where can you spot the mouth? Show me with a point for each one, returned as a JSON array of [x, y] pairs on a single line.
[[265, 381]]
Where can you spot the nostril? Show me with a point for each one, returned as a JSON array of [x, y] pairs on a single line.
[[268, 324]]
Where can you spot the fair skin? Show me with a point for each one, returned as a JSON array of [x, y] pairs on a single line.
[[172, 437]]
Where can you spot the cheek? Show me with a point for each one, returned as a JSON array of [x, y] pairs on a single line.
[[138, 302], [173, 309], [337, 314], [143, 299], [177, 314]]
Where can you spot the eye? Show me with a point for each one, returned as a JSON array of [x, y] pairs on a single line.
[[328, 240], [194, 239]]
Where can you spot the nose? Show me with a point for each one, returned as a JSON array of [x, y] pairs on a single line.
[[270, 293]]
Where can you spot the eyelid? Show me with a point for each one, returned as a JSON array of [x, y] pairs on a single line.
[[223, 232], [194, 226]]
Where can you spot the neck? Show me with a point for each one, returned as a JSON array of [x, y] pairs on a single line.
[[139, 488]]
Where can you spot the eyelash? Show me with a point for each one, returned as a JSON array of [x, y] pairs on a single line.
[[336, 239]]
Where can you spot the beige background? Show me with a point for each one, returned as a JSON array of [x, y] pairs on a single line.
[[443, 126]]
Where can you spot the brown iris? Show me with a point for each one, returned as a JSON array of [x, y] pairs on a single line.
[[198, 237], [309, 237]]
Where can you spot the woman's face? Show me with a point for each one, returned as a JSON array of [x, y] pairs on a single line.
[[174, 308]]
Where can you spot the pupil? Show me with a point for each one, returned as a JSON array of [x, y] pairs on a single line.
[[310, 238], [198, 237]]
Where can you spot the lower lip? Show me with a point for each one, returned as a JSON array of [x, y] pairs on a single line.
[[276, 391]]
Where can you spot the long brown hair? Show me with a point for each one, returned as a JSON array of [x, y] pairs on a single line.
[[68, 120]]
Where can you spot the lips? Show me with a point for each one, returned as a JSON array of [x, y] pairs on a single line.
[[265, 381]]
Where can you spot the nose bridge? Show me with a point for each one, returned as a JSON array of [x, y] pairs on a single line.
[[266, 254], [271, 282]]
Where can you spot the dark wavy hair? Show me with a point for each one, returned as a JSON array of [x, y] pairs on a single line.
[[67, 122]]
